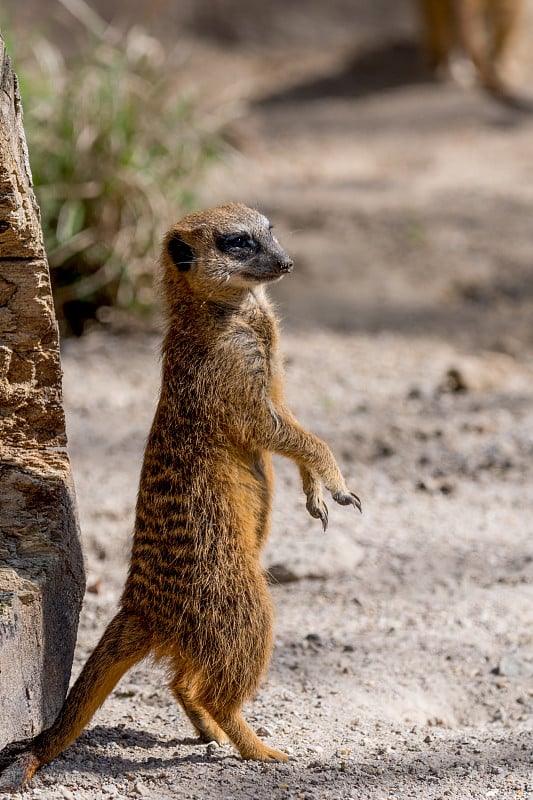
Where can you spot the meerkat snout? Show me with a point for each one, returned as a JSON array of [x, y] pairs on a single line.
[[286, 265], [253, 255]]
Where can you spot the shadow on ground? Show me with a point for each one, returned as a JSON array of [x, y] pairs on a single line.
[[435, 765], [389, 66]]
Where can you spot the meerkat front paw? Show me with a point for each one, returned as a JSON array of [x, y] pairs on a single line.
[[347, 499], [317, 508]]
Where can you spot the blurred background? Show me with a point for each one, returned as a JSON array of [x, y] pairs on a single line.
[[402, 192]]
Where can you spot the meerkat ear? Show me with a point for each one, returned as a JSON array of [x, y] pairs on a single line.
[[180, 253]]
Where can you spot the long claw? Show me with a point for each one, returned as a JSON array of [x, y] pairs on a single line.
[[348, 499], [356, 502], [319, 512]]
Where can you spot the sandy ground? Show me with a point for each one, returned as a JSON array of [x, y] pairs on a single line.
[[403, 661]]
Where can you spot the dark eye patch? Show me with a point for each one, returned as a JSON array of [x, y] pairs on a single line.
[[236, 243]]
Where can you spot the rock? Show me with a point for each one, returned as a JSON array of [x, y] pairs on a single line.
[[487, 372], [279, 573], [382, 449], [512, 666], [454, 381], [41, 566]]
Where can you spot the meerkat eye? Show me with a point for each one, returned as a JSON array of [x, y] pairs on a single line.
[[240, 241], [229, 243]]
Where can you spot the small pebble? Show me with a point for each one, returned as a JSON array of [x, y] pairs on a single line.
[[280, 573]]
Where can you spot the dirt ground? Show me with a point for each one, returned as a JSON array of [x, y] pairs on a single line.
[[403, 658]]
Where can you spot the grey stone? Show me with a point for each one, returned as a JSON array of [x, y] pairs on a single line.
[[512, 666]]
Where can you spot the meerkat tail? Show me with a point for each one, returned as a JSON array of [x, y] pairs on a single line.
[[123, 644]]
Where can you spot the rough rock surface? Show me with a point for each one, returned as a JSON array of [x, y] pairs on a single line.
[[41, 565]]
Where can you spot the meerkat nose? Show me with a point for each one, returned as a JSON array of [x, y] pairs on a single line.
[[286, 264]]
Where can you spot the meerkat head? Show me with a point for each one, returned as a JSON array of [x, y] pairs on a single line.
[[228, 248]]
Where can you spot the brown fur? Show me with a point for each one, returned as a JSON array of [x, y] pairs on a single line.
[[195, 593], [484, 29]]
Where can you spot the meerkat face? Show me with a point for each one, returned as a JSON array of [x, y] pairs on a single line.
[[250, 253], [231, 246]]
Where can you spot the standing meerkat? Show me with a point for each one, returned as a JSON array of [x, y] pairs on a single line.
[[196, 594]]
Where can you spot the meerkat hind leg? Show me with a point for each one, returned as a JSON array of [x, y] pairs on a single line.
[[221, 727], [204, 725]]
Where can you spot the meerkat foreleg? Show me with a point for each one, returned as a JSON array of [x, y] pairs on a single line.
[[279, 432], [275, 429]]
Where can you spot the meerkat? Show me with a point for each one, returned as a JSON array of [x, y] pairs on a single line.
[[195, 593], [485, 29]]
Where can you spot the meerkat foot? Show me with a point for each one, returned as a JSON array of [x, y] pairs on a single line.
[[249, 745], [267, 754], [347, 499]]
